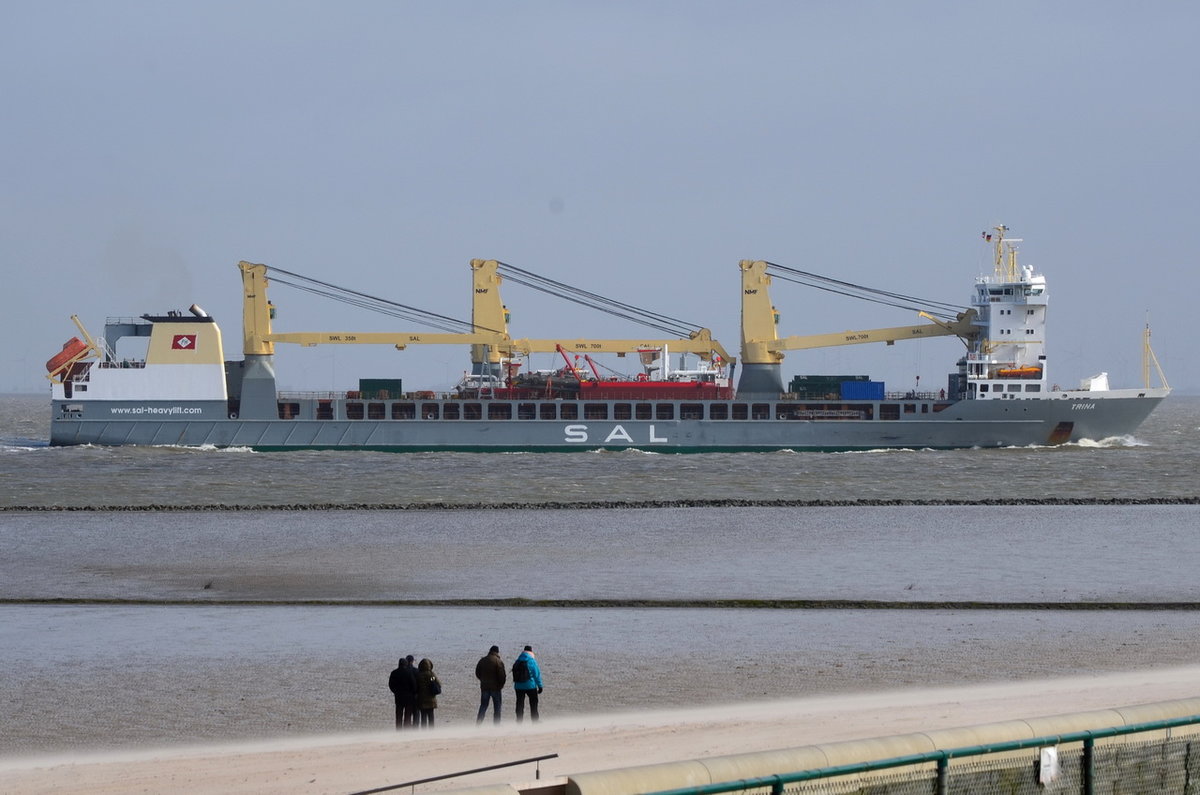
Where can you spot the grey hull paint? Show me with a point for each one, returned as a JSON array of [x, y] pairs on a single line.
[[967, 423]]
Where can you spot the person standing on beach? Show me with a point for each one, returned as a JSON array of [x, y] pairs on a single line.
[[527, 682], [428, 689], [403, 684], [490, 673]]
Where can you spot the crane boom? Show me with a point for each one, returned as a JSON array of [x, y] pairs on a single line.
[[400, 340], [488, 312], [761, 343], [961, 327], [701, 344]]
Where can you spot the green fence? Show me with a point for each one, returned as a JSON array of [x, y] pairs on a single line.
[[1113, 761]]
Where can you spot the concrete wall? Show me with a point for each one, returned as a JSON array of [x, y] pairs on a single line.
[[672, 775]]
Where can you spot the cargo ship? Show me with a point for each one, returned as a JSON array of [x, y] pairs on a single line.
[[999, 394]]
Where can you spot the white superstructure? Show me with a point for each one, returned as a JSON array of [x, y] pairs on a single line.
[[184, 361], [1007, 361]]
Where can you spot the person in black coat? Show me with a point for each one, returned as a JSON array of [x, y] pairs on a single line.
[[403, 684], [491, 675]]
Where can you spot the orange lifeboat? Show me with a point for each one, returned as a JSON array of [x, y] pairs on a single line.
[[71, 349], [1020, 372]]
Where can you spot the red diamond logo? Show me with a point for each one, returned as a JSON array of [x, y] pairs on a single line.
[[183, 342]]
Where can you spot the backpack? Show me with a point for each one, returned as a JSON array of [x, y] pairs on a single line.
[[521, 670]]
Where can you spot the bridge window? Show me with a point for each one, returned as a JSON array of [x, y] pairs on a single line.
[[664, 411], [289, 411], [324, 410], [622, 411], [526, 411], [741, 411], [643, 411], [760, 411], [499, 411], [889, 411], [404, 411], [472, 411], [548, 411], [691, 411], [1033, 387], [569, 411], [376, 411], [354, 410], [718, 411], [449, 411]]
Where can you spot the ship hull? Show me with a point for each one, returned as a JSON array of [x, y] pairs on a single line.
[[768, 425]]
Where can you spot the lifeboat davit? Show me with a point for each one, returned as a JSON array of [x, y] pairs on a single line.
[[71, 349]]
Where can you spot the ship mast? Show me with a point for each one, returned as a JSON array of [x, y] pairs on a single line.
[[1148, 358], [1006, 255]]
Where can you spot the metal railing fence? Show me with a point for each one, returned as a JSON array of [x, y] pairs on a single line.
[[537, 760], [1166, 765]]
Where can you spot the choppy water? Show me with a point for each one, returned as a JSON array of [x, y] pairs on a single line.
[[92, 675], [1161, 460]]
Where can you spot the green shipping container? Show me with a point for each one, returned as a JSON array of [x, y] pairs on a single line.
[[380, 388]]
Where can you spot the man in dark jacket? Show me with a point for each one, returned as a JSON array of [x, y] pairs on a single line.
[[403, 684], [491, 675]]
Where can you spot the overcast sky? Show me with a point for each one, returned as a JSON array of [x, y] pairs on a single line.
[[637, 149]]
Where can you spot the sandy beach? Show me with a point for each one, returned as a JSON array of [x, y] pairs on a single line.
[[347, 763]]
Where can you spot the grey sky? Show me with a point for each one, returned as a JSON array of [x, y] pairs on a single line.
[[638, 149]]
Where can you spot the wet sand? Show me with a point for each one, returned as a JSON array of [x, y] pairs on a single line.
[[346, 763]]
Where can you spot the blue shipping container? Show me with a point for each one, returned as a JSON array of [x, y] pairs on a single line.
[[862, 390]]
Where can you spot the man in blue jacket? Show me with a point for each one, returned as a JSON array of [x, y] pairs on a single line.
[[527, 681]]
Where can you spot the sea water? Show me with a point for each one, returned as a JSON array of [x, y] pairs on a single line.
[[197, 624]]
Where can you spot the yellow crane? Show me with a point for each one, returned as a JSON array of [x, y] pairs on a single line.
[[259, 338], [490, 341], [763, 349], [488, 311]]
